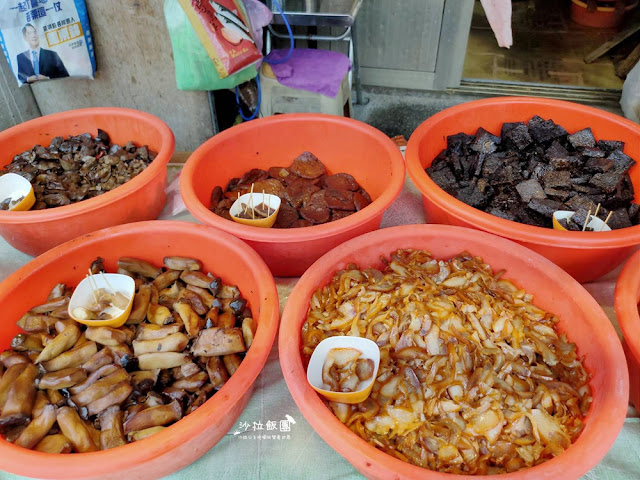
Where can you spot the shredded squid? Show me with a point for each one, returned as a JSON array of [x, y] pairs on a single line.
[[473, 377]]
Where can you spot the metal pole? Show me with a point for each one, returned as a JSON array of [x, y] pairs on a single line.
[[212, 111], [356, 67]]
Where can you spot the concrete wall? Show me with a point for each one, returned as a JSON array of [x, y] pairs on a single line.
[[17, 104]]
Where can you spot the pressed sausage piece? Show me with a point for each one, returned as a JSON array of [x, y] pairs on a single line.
[[316, 213], [299, 192], [279, 173], [270, 186], [252, 176], [216, 196], [286, 216], [360, 201], [341, 181], [338, 214], [307, 165], [339, 199], [301, 223]]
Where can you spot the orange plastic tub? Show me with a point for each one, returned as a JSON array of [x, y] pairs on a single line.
[[586, 256], [553, 289], [627, 296], [603, 17], [142, 198], [190, 438], [342, 144]]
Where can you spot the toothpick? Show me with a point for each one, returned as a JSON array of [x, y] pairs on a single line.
[[253, 213], [93, 292], [113, 291], [586, 221], [597, 210], [245, 205], [606, 220], [268, 204]]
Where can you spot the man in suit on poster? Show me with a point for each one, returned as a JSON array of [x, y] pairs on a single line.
[[37, 63]]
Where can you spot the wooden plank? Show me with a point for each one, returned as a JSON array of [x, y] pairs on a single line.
[[625, 66], [135, 70], [452, 46], [606, 46]]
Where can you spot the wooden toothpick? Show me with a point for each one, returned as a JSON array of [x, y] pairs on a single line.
[[113, 291], [586, 221], [91, 285], [606, 220]]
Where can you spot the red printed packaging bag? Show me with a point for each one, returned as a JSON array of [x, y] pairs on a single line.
[[223, 28]]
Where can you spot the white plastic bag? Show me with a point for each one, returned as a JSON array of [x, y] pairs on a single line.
[[630, 101]]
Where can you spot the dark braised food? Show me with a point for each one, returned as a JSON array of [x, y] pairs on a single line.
[[309, 194], [77, 168], [534, 169], [67, 388]]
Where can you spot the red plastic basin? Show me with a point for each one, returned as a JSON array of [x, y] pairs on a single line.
[[342, 144], [188, 439], [627, 296], [586, 256], [142, 198], [553, 290]]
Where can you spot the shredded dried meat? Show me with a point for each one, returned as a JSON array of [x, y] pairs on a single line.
[[473, 378]]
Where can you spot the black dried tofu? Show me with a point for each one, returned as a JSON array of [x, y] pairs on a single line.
[[592, 152], [444, 178], [557, 194], [474, 197], [586, 189], [610, 145], [569, 225], [516, 134], [557, 179], [457, 165], [485, 142], [530, 189], [624, 192], [634, 208], [499, 168], [470, 167], [582, 139], [607, 182], [619, 219], [580, 201], [580, 180], [531, 217], [598, 165], [580, 216], [621, 161], [545, 206], [556, 152], [439, 162], [459, 143], [539, 170], [545, 131], [571, 162], [507, 215]]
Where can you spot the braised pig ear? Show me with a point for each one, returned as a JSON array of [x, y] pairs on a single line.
[[141, 267]]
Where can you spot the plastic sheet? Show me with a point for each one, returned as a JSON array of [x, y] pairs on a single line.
[[630, 101]]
